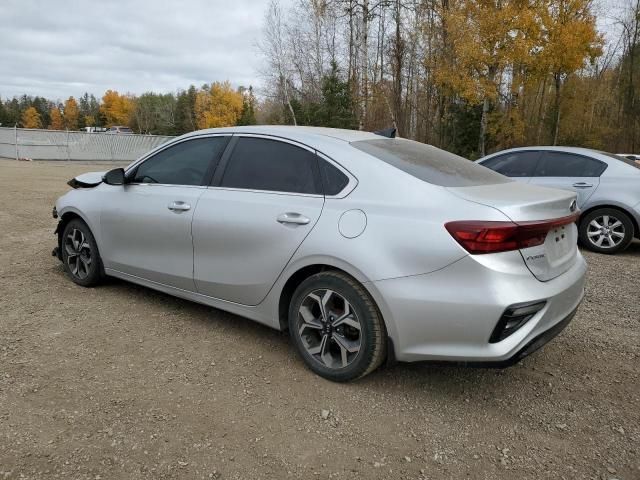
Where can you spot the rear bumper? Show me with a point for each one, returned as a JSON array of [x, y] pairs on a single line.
[[534, 345], [449, 315]]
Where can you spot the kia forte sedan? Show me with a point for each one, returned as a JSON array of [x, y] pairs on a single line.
[[607, 188], [366, 249]]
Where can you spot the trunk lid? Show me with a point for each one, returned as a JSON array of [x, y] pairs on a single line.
[[523, 203]]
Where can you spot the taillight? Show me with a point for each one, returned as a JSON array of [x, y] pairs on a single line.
[[490, 237]]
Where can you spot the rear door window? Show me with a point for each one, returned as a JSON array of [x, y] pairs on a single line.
[[429, 163], [333, 180], [272, 165], [563, 164], [514, 164]]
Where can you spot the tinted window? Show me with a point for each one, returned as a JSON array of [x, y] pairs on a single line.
[[515, 164], [333, 180], [261, 164], [182, 164], [561, 164], [428, 163]]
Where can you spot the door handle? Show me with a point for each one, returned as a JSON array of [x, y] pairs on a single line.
[[292, 217], [582, 185], [179, 206]]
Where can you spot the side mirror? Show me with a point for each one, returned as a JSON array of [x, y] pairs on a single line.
[[114, 177]]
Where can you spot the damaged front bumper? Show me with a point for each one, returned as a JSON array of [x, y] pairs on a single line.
[[56, 251]]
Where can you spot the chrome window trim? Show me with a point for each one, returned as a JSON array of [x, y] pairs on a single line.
[[163, 185], [270, 192], [351, 185]]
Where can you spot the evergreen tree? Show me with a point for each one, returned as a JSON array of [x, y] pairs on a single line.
[[185, 110], [13, 112], [3, 115], [336, 109], [248, 115]]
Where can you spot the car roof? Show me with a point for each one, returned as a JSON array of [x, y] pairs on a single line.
[[579, 150], [617, 164], [294, 132]]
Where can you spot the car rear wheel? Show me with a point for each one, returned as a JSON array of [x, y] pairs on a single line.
[[606, 230], [336, 327], [80, 256]]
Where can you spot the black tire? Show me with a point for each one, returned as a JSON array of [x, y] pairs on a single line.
[[618, 223], [80, 257], [346, 295]]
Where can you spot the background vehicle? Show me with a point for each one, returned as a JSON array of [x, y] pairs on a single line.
[[630, 156], [365, 248], [117, 129], [608, 188]]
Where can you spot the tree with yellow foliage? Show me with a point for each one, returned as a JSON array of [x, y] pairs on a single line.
[[57, 123], [218, 106], [71, 114], [569, 39], [117, 109], [31, 118], [484, 38]]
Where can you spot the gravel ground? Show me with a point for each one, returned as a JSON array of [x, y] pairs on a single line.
[[124, 382]]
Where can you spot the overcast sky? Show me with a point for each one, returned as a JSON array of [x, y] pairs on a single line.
[[58, 48], [65, 47]]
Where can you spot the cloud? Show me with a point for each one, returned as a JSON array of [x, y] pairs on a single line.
[[63, 48]]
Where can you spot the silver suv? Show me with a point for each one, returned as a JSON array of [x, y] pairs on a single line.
[[608, 188]]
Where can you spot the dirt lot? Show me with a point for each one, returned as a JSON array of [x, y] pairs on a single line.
[[124, 382]]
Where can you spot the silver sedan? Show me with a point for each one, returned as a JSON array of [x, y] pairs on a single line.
[[366, 249], [607, 186]]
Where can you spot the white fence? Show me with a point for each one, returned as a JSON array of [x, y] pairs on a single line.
[[63, 145]]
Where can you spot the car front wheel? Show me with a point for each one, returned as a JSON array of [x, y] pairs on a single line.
[[80, 256], [606, 230], [336, 327]]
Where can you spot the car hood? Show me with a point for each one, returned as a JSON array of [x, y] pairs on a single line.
[[86, 180]]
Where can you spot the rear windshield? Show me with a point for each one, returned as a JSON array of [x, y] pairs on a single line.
[[430, 164]]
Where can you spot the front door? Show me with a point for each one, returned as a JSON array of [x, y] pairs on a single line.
[[519, 165], [146, 224]]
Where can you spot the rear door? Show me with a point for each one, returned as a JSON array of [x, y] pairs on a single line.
[[265, 199], [146, 224], [569, 171], [519, 165]]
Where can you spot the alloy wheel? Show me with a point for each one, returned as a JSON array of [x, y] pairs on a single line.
[[329, 328], [78, 252], [605, 231]]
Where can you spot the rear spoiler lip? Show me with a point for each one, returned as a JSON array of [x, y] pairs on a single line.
[[386, 132]]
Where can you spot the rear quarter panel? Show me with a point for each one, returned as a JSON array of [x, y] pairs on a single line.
[[405, 219]]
